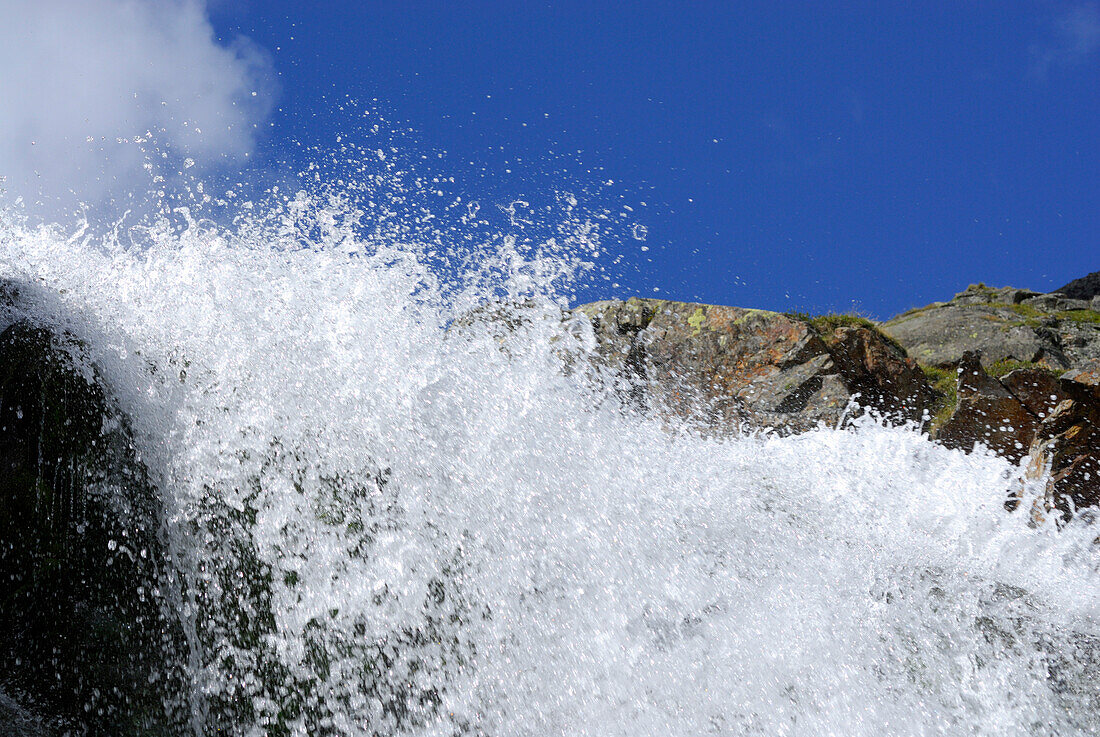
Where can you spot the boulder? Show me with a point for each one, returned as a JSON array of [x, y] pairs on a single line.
[[730, 366], [1080, 339], [880, 372], [987, 413], [1066, 449], [1056, 302], [88, 643]]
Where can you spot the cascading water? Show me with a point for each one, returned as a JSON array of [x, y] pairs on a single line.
[[390, 517]]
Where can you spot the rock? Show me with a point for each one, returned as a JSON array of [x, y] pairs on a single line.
[[1006, 325], [87, 641], [1089, 373], [1087, 287], [1038, 390], [728, 366], [883, 375], [981, 294], [1067, 447], [987, 413], [1056, 302], [1080, 340], [938, 336]]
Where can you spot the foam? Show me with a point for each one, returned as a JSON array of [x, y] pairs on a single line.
[[389, 520]]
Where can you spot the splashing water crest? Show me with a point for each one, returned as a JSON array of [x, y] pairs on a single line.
[[391, 517]]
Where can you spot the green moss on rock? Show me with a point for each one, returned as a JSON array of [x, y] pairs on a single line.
[[945, 382], [827, 324], [1081, 316], [1006, 366]]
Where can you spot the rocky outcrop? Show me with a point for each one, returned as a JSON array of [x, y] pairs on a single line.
[[1006, 324], [730, 367], [1087, 373], [1029, 412], [87, 641], [995, 355], [1037, 389], [1066, 450], [1087, 287], [988, 412]]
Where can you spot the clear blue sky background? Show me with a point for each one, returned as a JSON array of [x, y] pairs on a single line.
[[816, 156]]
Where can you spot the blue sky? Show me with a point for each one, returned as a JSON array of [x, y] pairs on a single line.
[[815, 156]]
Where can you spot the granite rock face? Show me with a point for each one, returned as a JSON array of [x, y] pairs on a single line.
[[1038, 390], [1046, 411], [87, 641], [1007, 324], [1032, 415], [728, 366]]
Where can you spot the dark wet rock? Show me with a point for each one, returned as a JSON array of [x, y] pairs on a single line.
[[1066, 448], [728, 366], [87, 644], [1087, 287], [987, 413], [880, 372], [1037, 389]]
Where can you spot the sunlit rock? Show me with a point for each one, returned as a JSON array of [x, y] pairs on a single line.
[[729, 366], [1087, 373], [1053, 330]]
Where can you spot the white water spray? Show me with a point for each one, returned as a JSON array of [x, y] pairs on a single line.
[[387, 521]]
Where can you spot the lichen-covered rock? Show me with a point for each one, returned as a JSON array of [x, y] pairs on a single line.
[[1066, 447], [1053, 330], [87, 643], [939, 335], [728, 366], [977, 294], [1055, 302], [1088, 373], [987, 413]]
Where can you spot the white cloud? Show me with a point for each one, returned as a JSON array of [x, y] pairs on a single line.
[[76, 76], [1075, 37]]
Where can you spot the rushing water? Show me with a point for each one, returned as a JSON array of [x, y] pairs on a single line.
[[390, 518]]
